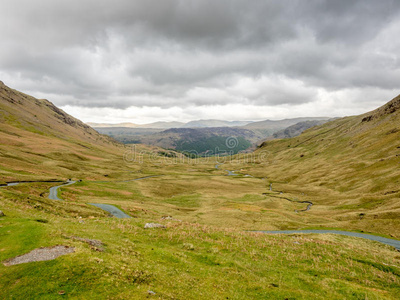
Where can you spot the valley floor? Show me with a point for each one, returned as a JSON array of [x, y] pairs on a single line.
[[206, 250]]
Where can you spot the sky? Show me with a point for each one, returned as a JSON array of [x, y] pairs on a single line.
[[181, 60]]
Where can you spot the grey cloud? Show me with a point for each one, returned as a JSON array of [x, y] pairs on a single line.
[[156, 53]]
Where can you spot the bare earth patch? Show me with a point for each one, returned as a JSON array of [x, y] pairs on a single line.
[[40, 254]]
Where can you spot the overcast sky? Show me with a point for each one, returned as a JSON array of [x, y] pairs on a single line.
[[180, 60]]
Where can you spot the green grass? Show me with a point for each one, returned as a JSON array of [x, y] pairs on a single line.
[[222, 263]]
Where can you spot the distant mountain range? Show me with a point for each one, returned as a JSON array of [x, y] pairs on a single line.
[[208, 136], [167, 125], [159, 125]]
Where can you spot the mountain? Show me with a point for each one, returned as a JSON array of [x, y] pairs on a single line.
[[163, 125], [214, 123], [160, 125], [128, 135], [101, 125], [37, 139], [20, 112], [269, 127], [203, 140], [296, 129], [172, 124]]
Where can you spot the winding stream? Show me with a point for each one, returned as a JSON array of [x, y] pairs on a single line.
[[230, 173], [309, 203], [383, 240]]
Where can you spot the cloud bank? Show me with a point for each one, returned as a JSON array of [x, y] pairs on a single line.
[[140, 61]]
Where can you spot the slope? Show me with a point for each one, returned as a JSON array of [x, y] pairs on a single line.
[[38, 139], [349, 169], [296, 129]]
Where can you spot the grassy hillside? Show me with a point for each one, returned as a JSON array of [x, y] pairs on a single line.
[[39, 141], [348, 168]]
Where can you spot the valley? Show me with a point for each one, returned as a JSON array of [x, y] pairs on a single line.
[[210, 211]]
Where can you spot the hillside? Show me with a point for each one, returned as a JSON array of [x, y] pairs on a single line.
[[127, 135], [37, 139], [349, 169], [296, 129]]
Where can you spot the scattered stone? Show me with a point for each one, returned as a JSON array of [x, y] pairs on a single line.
[[188, 246], [153, 225], [1, 214], [40, 254], [170, 218]]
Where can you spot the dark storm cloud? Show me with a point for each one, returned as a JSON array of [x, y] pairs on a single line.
[[181, 53]]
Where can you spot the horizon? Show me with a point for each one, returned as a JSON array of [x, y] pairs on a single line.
[[162, 121]]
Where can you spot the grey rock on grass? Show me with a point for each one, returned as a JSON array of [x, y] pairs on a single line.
[[40, 254], [95, 244], [153, 225]]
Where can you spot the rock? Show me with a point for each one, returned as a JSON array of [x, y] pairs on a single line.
[[151, 292], [95, 244], [153, 225], [40, 254], [188, 246], [170, 218], [1, 214]]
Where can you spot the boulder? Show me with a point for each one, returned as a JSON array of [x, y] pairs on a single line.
[[1, 214], [153, 225]]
